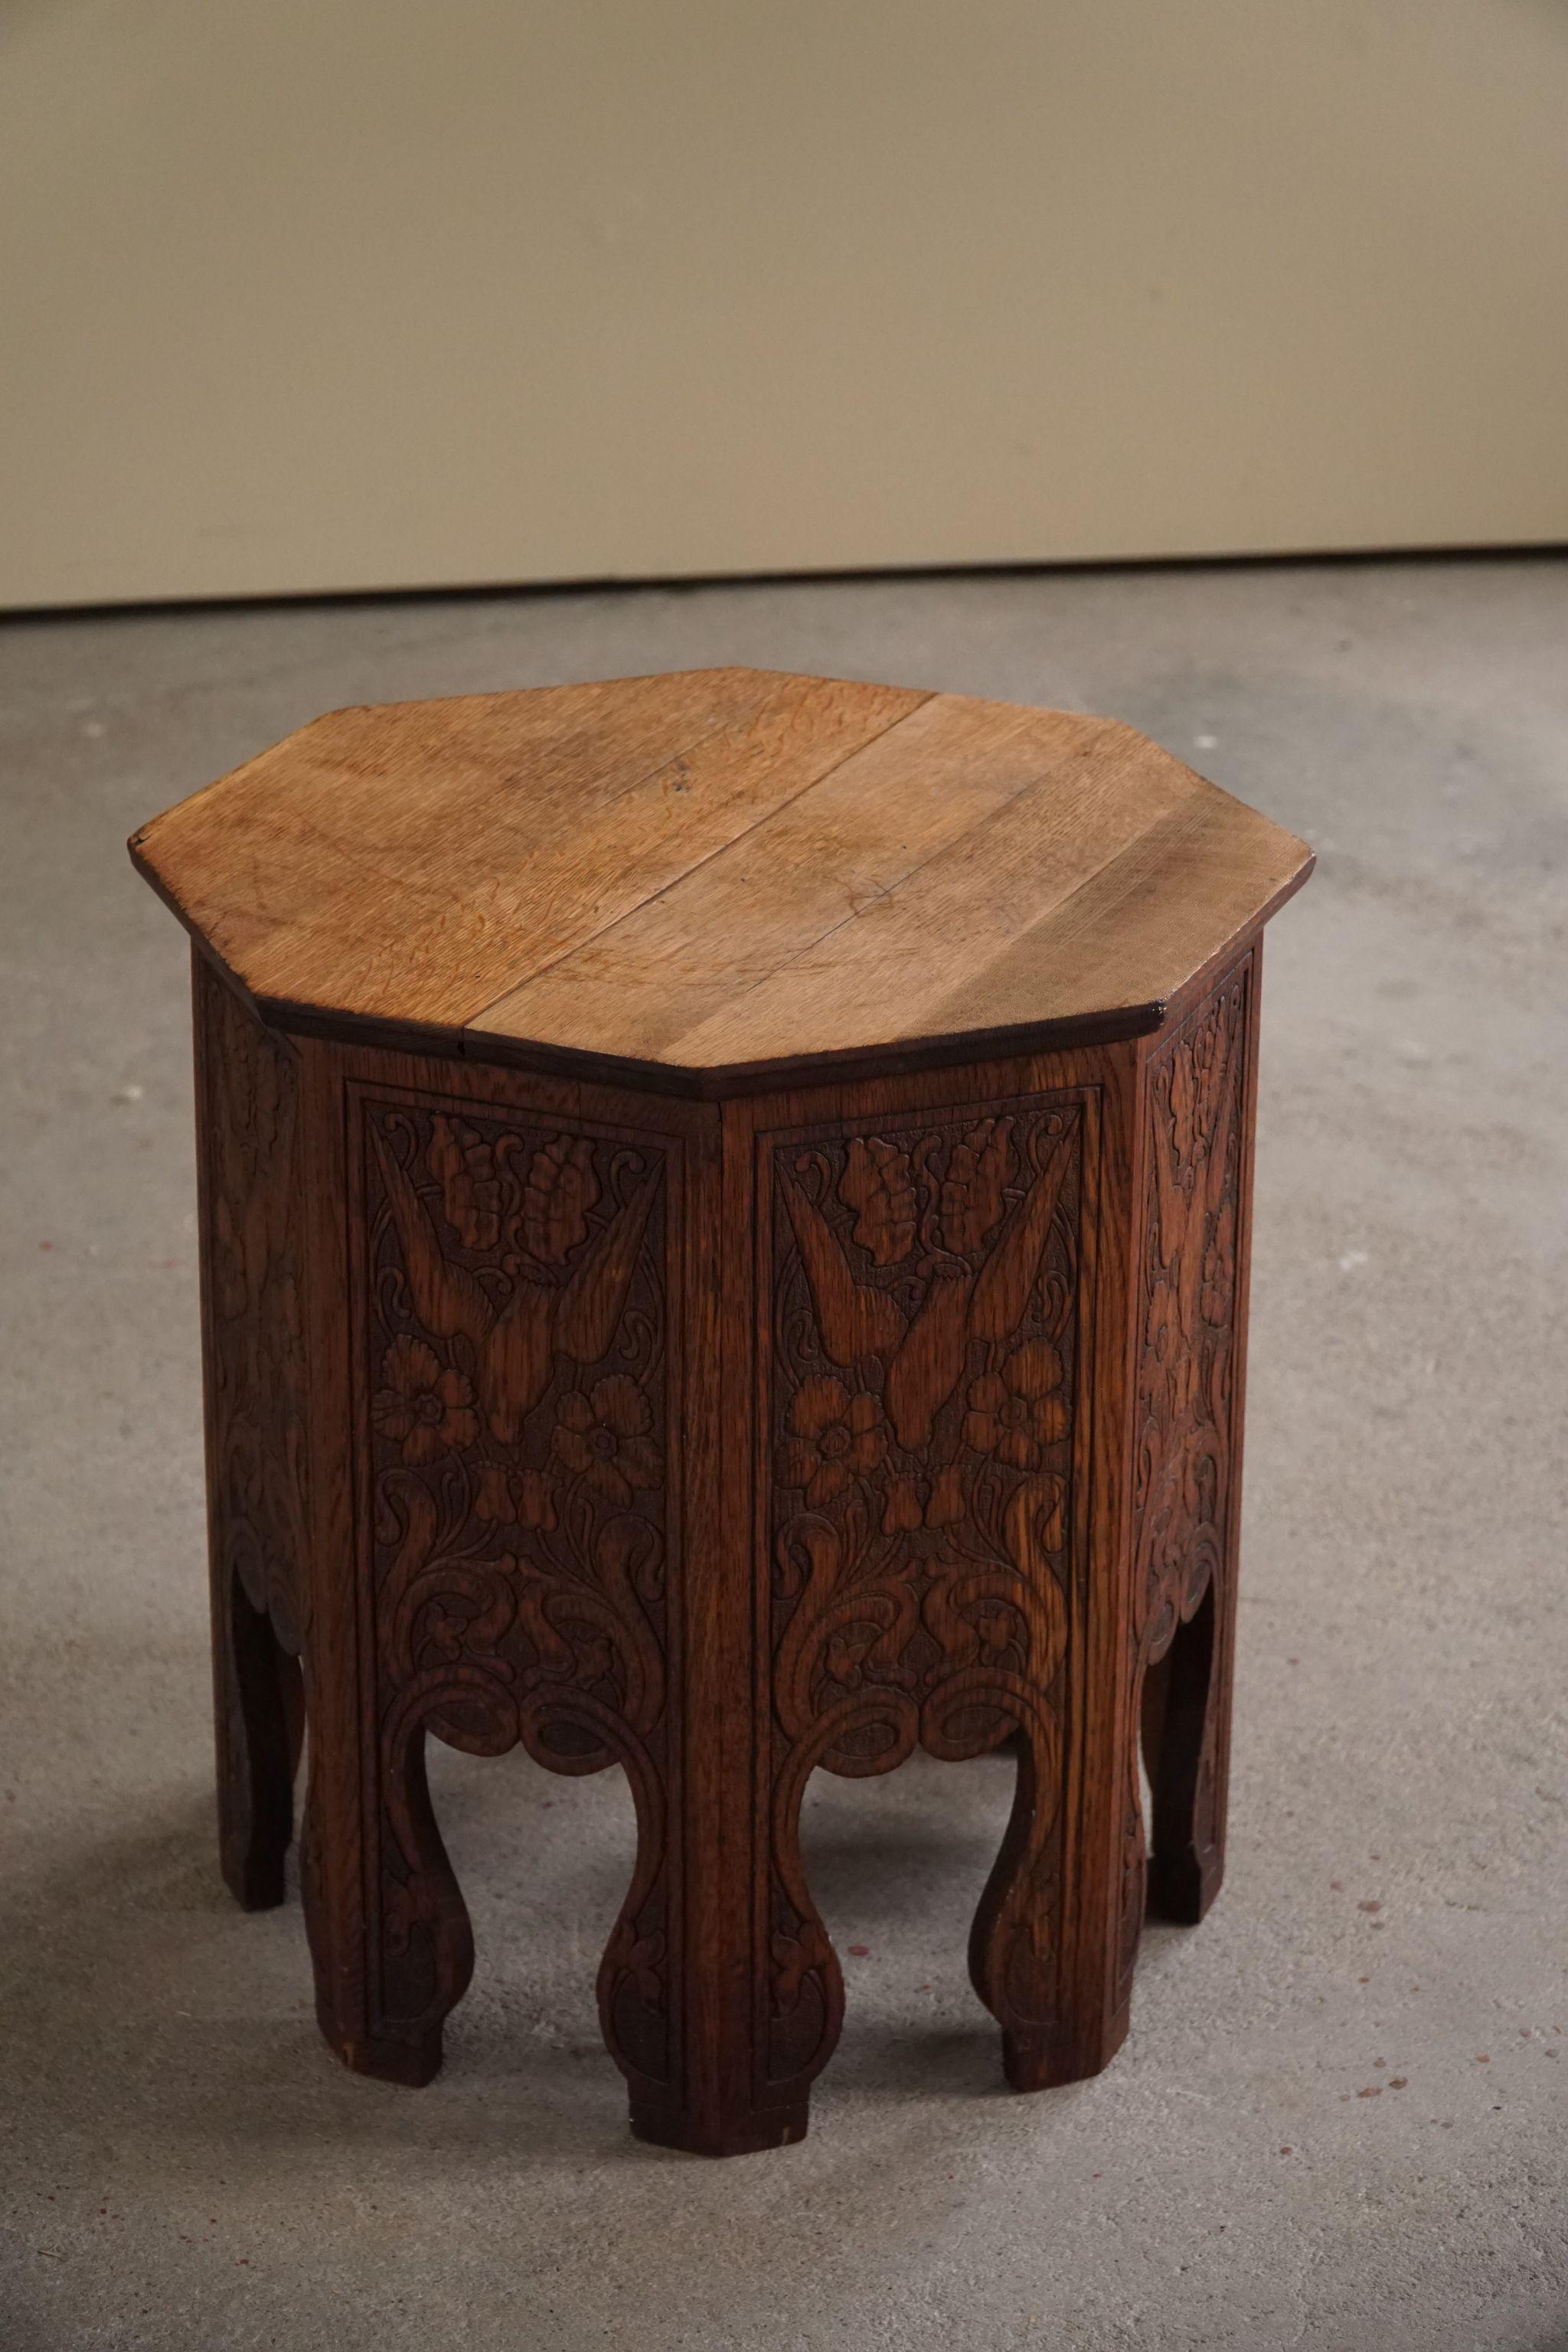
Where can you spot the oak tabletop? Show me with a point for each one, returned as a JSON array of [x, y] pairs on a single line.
[[714, 874]]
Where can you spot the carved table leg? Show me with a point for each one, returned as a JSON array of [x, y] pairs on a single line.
[[1042, 1949], [741, 2083], [1186, 1743], [1015, 1941], [1201, 1084], [247, 1117], [389, 1931], [740, 1991], [260, 1720]]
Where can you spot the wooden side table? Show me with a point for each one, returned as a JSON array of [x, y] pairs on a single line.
[[724, 1207]]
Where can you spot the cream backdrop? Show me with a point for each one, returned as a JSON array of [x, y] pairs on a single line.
[[332, 294]]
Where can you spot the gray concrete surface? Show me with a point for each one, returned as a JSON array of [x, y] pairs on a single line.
[[1339, 2119]]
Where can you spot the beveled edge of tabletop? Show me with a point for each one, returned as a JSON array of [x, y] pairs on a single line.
[[892, 1057]]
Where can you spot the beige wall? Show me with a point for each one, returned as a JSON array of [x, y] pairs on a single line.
[[360, 293]]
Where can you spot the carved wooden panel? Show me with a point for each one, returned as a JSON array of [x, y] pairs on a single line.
[[921, 1326], [1189, 1304], [518, 1393], [252, 1257]]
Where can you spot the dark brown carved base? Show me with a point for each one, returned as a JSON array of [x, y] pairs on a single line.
[[723, 1444], [259, 1719], [1183, 1695]]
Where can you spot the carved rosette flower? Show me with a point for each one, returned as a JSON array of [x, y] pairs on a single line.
[[1015, 1413], [602, 1435], [423, 1406], [834, 1438]]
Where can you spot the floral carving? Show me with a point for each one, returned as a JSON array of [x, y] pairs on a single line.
[[470, 1195], [561, 1190], [834, 1438], [425, 1406], [516, 1367], [924, 1347], [604, 1436], [972, 1191], [1017, 1412], [1187, 1368], [877, 1185]]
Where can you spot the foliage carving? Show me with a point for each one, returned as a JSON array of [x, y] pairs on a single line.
[[517, 1377], [923, 1343]]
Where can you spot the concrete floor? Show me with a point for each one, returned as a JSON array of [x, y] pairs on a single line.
[[1339, 2119]]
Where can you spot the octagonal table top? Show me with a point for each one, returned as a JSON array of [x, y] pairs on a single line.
[[716, 876]]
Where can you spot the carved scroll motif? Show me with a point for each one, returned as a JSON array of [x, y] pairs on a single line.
[[517, 1382], [1186, 1364], [923, 1330]]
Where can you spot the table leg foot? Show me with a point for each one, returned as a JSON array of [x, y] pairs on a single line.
[[1031, 2062], [742, 2135], [413, 2064], [258, 1720]]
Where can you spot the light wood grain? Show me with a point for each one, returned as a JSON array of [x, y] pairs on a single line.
[[718, 876], [1022, 920], [709, 944], [409, 864]]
